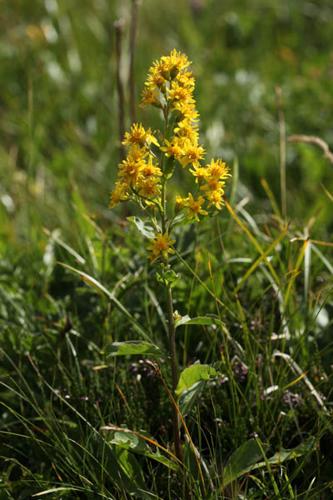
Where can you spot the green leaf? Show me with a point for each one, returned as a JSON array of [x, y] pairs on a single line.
[[289, 454], [130, 466], [194, 374], [199, 320], [131, 441], [182, 321], [180, 219], [167, 276], [246, 458], [209, 321], [132, 348], [190, 396], [242, 460], [145, 229]]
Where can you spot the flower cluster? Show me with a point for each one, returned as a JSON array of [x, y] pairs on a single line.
[[139, 174], [152, 157], [171, 84]]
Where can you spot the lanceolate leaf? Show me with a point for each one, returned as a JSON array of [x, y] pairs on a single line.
[[246, 458], [199, 320], [242, 460], [132, 347]]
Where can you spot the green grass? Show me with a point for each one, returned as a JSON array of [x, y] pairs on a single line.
[[78, 421]]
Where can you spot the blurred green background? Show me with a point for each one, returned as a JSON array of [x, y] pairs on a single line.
[[58, 101]]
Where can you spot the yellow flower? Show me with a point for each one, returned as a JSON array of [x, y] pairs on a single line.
[[120, 193], [150, 95], [176, 60], [194, 206], [179, 93], [149, 188], [129, 170], [169, 66], [164, 71], [173, 148], [139, 136], [216, 174], [188, 114], [187, 131], [161, 246], [215, 198], [186, 79], [200, 173], [151, 170], [192, 154], [217, 169], [137, 153], [156, 79], [180, 201], [211, 185]]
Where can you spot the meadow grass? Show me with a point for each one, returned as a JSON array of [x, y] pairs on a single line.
[[85, 411]]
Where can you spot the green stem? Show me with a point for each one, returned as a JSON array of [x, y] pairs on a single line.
[[171, 320], [174, 370]]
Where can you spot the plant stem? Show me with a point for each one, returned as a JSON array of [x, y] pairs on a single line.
[[174, 369], [282, 131], [119, 28], [133, 33], [171, 320]]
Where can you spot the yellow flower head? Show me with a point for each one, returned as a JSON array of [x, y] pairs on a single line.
[[162, 78], [211, 184], [192, 154], [130, 169], [150, 95], [215, 198], [174, 148], [169, 66], [120, 193], [150, 170], [148, 187], [161, 246], [180, 201], [194, 206], [179, 93], [200, 173], [217, 169], [139, 136]]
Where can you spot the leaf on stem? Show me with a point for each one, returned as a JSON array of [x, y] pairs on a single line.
[[132, 348]]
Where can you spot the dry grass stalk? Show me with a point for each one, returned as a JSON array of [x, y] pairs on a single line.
[[131, 83], [119, 28], [312, 139], [282, 133]]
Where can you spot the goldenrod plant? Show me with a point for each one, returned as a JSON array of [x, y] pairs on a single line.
[[152, 160], [86, 390]]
